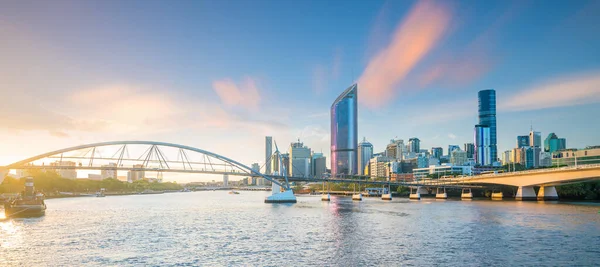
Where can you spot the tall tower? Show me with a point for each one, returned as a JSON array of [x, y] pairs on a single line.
[[487, 117], [268, 152], [344, 132], [365, 153]]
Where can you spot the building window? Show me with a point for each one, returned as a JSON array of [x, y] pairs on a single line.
[[586, 153]]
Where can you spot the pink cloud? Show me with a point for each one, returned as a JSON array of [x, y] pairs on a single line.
[[245, 95], [418, 34], [476, 59], [577, 89]]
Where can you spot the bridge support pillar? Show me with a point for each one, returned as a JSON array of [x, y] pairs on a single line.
[[415, 194], [525, 193], [286, 196], [547, 193]]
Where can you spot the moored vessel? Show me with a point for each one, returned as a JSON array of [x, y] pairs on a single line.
[[27, 204]]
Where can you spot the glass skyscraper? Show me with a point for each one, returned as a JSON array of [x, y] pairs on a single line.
[[553, 143], [365, 153], [487, 117], [344, 132], [483, 152]]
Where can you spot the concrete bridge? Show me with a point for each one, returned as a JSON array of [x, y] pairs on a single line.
[[525, 181]]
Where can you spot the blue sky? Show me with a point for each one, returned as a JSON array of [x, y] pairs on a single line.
[[220, 75]]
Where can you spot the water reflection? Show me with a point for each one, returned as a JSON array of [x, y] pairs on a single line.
[[214, 228]]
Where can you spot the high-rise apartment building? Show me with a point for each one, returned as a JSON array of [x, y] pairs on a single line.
[[487, 117], [344, 132]]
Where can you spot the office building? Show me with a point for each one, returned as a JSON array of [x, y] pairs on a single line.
[[458, 158], [365, 153], [545, 159], [65, 173], [422, 161], [573, 156], [109, 173], [487, 116], [552, 143], [318, 165], [395, 149], [529, 157], [275, 163], [299, 160], [268, 153], [134, 175], [437, 152], [523, 141], [506, 157], [414, 145], [483, 154], [441, 171], [535, 139], [344, 133], [470, 149], [377, 167], [452, 148]]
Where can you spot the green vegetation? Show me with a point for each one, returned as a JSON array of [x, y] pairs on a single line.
[[51, 183], [587, 191], [403, 191]]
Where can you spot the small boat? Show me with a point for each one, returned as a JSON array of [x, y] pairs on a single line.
[[27, 204], [101, 193], [234, 192], [497, 195]]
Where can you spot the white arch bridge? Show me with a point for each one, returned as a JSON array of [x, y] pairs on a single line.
[[147, 156]]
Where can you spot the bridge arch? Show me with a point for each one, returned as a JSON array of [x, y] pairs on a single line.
[[245, 170]]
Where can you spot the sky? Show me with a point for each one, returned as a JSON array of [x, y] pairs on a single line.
[[221, 75]]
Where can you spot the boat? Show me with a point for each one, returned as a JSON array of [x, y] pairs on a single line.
[[497, 195], [101, 193], [150, 191], [28, 204], [232, 192]]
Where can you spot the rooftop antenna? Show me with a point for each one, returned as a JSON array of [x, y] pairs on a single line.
[[531, 126]]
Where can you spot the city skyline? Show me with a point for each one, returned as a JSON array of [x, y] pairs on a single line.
[[129, 76]]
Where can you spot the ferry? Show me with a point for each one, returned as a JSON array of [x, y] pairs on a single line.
[[27, 204]]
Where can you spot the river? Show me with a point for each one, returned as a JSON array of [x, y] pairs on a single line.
[[215, 228]]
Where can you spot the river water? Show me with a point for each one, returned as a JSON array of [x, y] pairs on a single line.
[[214, 228]]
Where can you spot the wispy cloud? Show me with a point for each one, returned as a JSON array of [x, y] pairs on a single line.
[[245, 94], [324, 73], [471, 62], [414, 37], [570, 90], [451, 136]]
